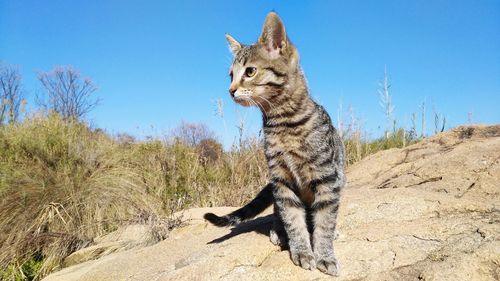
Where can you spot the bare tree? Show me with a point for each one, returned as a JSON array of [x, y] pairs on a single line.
[[386, 103], [192, 133], [67, 93], [11, 94]]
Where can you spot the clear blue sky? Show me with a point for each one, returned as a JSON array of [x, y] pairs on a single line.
[[159, 62]]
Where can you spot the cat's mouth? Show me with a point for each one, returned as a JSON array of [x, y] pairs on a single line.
[[243, 100], [252, 101]]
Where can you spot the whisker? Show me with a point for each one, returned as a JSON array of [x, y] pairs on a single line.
[[271, 105], [248, 97], [260, 105]]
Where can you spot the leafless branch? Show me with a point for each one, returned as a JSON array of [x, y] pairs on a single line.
[[67, 93], [11, 94], [192, 133]]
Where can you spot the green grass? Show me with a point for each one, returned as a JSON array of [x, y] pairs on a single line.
[[27, 271]]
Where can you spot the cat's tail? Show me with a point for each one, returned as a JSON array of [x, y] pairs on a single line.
[[263, 200]]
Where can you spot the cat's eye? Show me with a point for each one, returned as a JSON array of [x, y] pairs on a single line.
[[231, 75], [250, 71]]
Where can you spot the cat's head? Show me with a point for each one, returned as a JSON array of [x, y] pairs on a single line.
[[261, 72]]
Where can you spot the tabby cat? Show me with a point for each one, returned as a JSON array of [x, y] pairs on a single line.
[[304, 152]]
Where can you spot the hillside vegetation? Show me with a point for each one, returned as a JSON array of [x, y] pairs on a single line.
[[62, 184]]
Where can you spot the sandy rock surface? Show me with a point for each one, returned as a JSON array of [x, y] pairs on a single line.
[[430, 211]]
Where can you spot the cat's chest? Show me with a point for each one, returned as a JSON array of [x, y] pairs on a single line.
[[284, 140], [288, 158]]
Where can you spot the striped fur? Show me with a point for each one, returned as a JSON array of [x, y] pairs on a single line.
[[304, 152]]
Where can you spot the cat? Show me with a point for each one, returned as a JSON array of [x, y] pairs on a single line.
[[304, 152]]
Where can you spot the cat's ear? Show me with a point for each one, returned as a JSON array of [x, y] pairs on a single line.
[[273, 35], [234, 45]]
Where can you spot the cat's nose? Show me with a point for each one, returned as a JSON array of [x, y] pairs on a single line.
[[232, 90]]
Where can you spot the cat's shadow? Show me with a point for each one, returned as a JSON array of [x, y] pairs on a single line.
[[261, 225]]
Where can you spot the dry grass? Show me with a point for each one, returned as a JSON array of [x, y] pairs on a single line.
[[63, 184], [358, 147]]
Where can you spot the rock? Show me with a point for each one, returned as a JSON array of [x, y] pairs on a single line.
[[430, 211], [125, 238]]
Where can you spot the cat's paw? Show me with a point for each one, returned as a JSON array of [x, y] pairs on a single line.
[[328, 265], [304, 259]]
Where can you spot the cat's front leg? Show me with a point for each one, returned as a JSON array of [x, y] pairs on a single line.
[[292, 214], [324, 212]]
